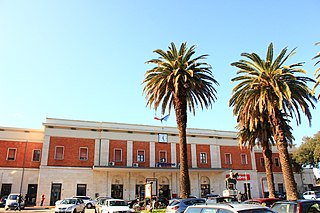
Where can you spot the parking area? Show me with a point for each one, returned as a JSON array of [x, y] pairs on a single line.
[[36, 209]]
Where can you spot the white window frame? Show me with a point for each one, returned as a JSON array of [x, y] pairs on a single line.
[[244, 159], [144, 155], [225, 158], [39, 155], [87, 156], [15, 154], [114, 156], [203, 154], [55, 153], [165, 154]]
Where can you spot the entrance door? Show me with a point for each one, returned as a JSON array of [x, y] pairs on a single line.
[[31, 195], [5, 189], [117, 191], [164, 191], [205, 189], [55, 193], [140, 191]]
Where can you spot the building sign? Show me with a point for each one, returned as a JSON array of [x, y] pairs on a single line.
[[154, 186], [241, 177]]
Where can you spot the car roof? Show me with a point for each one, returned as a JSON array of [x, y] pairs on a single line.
[[264, 199], [234, 206], [297, 201], [114, 199]]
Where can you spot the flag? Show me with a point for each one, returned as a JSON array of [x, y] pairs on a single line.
[[165, 118]]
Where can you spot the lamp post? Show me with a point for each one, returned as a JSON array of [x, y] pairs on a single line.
[[23, 165]]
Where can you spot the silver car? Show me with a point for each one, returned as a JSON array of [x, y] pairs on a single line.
[[72, 205], [229, 208]]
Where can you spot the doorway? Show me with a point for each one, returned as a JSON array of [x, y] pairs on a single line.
[[55, 193], [5, 189], [117, 191], [31, 195]]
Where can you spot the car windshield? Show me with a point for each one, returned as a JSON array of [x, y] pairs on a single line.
[[13, 197], [317, 194], [69, 201], [284, 207], [118, 203], [84, 198], [194, 202]]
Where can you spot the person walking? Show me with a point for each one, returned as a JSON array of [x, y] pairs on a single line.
[[42, 199], [19, 200]]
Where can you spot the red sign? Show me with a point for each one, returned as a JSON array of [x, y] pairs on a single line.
[[241, 177]]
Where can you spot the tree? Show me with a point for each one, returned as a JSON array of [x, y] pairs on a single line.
[[308, 153], [267, 87], [181, 82], [317, 72]]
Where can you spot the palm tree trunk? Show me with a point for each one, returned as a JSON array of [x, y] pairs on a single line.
[[267, 155], [286, 165], [181, 118]]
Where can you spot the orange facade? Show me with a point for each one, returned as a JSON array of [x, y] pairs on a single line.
[[240, 158], [23, 154], [71, 151]]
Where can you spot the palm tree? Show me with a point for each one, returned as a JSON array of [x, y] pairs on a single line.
[[181, 82], [317, 72], [278, 92]]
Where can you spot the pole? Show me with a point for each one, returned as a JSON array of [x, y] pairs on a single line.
[[23, 165]]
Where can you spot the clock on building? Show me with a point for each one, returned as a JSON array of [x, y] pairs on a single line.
[[162, 137]]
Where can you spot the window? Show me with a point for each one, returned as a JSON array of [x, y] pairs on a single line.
[[203, 157], [11, 154], [244, 159], [83, 153], [262, 162], [118, 155], [280, 187], [163, 156], [81, 189], [59, 152], [228, 159], [276, 162], [140, 157], [36, 155]]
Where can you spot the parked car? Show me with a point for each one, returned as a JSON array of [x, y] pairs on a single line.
[[100, 203], [73, 205], [3, 200], [180, 205], [114, 205], [230, 208], [12, 202], [223, 199], [263, 201], [297, 206], [88, 201], [312, 195]]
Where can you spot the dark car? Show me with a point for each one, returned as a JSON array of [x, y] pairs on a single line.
[[180, 205], [3, 200], [263, 201], [297, 206]]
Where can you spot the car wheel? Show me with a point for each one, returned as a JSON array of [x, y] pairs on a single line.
[[89, 205]]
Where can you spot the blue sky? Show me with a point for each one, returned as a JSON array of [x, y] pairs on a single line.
[[85, 60]]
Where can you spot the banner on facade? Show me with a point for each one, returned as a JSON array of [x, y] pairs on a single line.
[[154, 186], [241, 177]]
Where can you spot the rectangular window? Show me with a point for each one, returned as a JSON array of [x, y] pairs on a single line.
[[203, 157], [118, 155], [36, 155], [140, 157], [262, 162], [228, 159], [81, 189], [280, 187], [163, 156], [59, 153], [11, 154], [83, 153], [244, 159], [276, 162]]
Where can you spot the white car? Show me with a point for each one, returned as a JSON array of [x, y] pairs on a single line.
[[114, 205], [88, 201], [72, 205], [311, 195], [230, 208], [12, 202]]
